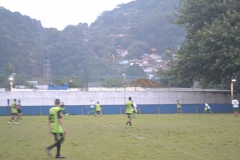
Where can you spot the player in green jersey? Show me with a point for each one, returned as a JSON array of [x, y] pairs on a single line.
[[179, 110], [56, 128], [98, 110], [14, 112], [129, 111]]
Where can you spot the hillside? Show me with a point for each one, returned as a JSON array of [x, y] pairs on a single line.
[[86, 52]]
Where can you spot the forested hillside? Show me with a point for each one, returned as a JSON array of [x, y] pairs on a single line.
[[46, 54]]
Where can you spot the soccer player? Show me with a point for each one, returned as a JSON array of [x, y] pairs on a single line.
[[179, 110], [19, 109], [56, 128], [98, 110], [92, 106], [207, 108], [64, 112], [134, 109], [235, 105], [129, 111], [14, 112]]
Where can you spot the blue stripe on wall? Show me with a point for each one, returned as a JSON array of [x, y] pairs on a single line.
[[117, 109]]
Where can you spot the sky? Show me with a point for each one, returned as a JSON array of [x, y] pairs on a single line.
[[60, 13]]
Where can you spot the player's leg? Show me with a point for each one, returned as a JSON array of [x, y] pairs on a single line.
[[16, 120], [129, 119], [12, 118], [236, 112], [95, 114], [210, 111], [58, 140]]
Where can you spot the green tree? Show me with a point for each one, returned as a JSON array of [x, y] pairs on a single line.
[[9, 68], [135, 71], [210, 52], [113, 82]]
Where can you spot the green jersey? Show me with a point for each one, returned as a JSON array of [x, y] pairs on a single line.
[[54, 115], [129, 105], [178, 105], [98, 107], [14, 109]]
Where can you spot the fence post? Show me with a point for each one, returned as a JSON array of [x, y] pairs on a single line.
[[82, 110], [197, 109], [158, 110], [41, 111], [120, 110]]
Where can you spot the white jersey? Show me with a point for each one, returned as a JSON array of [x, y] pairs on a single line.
[[207, 106], [92, 104], [235, 103], [134, 106]]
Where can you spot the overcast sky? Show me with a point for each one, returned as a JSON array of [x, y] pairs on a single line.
[[60, 13]]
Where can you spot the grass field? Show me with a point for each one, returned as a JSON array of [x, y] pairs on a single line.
[[193, 136]]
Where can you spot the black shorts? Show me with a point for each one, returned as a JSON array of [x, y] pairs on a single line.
[[179, 109], [14, 114], [58, 136], [97, 112], [129, 115], [19, 110]]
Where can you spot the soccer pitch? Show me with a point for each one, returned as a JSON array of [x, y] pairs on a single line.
[[188, 136]]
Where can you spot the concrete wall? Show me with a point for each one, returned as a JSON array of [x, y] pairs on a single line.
[[46, 98]]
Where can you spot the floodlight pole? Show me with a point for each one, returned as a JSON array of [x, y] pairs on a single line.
[[232, 81], [124, 78]]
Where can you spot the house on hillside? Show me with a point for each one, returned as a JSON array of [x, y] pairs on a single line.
[[155, 56], [121, 52]]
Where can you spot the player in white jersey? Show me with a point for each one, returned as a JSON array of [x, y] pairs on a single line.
[[134, 109], [235, 105], [207, 108], [92, 106]]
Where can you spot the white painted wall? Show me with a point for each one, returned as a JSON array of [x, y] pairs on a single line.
[[39, 98]]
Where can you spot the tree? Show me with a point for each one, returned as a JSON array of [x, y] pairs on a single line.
[[112, 82], [210, 52], [9, 68], [136, 71]]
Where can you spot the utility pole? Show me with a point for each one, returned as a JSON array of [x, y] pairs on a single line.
[[47, 71]]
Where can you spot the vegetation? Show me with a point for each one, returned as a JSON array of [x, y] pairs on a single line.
[[210, 52], [153, 137], [141, 26]]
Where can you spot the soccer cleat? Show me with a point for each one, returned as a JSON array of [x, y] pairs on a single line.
[[48, 152], [60, 157], [9, 122], [132, 126], [16, 122]]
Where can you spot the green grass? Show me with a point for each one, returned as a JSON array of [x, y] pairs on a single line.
[[192, 136]]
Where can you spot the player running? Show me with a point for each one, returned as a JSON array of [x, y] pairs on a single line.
[[98, 110], [207, 108], [129, 106], [56, 128], [64, 112], [14, 113], [134, 110], [235, 105], [179, 110], [19, 109]]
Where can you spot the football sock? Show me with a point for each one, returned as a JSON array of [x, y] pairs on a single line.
[[127, 123], [130, 123], [55, 144], [58, 149]]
